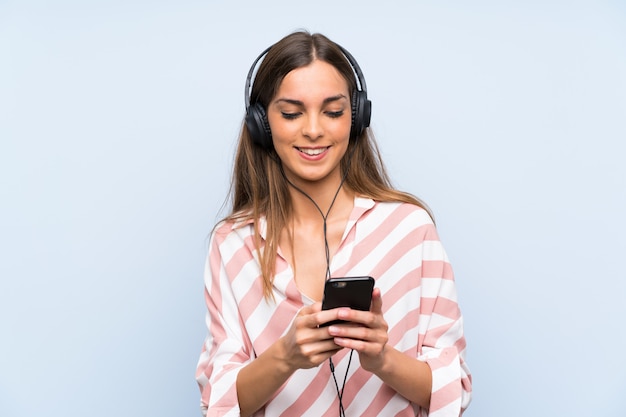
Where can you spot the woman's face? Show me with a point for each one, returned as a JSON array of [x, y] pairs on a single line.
[[310, 120]]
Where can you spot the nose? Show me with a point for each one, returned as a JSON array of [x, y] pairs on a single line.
[[312, 127]]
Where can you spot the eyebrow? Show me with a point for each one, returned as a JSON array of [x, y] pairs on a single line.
[[300, 103]]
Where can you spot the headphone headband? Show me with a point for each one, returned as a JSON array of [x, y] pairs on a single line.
[[249, 77], [256, 116]]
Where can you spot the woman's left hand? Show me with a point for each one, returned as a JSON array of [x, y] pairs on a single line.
[[366, 333]]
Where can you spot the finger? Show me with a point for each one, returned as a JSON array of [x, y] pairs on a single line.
[[361, 339], [360, 346], [323, 317], [365, 318], [377, 301], [355, 332], [306, 316], [308, 309], [314, 354]]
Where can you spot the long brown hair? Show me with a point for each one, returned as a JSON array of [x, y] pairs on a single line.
[[258, 188]]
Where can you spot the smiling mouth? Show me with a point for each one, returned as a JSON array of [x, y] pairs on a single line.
[[312, 151]]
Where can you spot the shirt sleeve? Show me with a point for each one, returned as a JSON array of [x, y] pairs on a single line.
[[442, 341], [226, 348]]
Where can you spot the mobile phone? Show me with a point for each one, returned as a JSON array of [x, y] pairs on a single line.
[[353, 292]]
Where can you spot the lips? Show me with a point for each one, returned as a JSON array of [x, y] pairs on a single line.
[[312, 151]]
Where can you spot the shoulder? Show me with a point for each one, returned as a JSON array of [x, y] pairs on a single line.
[[232, 230], [393, 218], [398, 211]]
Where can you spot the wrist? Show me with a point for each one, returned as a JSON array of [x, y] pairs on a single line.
[[281, 358], [387, 363]]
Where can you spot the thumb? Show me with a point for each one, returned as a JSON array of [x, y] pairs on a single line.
[[377, 301]]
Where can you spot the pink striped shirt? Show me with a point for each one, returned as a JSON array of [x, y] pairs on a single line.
[[397, 244]]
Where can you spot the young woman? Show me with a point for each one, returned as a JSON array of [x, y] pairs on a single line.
[[311, 200]]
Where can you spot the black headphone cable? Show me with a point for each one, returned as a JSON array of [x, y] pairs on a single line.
[[342, 412]]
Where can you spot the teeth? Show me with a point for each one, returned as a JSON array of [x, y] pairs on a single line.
[[312, 152]]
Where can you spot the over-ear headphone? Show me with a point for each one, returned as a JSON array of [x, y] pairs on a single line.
[[256, 116]]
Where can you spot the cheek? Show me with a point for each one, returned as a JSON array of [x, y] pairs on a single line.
[[343, 130], [279, 128]]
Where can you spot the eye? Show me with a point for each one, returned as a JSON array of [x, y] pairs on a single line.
[[290, 116], [334, 114]]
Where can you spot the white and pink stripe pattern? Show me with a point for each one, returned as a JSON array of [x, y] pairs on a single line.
[[397, 244]]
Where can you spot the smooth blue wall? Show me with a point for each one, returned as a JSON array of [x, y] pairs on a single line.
[[117, 127]]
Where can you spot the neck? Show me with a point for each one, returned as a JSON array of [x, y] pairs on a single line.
[[329, 202], [319, 196]]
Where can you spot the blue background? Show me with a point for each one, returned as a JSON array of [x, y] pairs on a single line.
[[118, 121]]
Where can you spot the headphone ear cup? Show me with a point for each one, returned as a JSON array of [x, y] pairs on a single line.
[[361, 113], [258, 126]]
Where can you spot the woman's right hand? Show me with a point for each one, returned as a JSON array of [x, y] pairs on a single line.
[[306, 344]]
